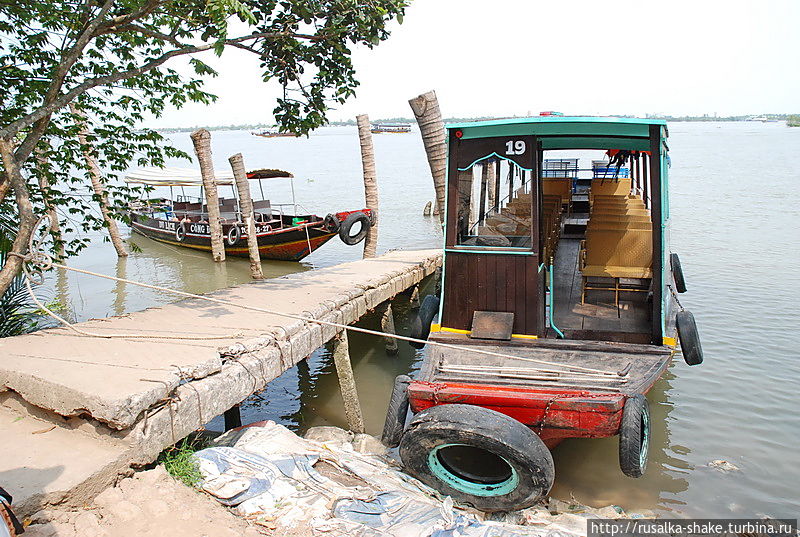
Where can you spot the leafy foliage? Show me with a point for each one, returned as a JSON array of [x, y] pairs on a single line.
[[17, 314], [114, 59]]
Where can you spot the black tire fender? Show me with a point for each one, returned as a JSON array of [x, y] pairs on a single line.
[[677, 273], [478, 456], [396, 412], [689, 337], [180, 232], [331, 223], [421, 322], [233, 236], [634, 436], [347, 225]]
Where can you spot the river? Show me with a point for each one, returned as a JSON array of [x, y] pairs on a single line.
[[735, 213]]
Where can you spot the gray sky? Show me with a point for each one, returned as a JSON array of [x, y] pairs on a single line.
[[514, 57]]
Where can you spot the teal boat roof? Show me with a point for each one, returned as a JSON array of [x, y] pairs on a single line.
[[564, 132]]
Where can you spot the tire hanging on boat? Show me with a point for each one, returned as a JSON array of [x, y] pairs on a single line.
[[234, 234], [180, 232], [421, 322], [689, 337], [347, 225], [634, 436], [396, 412], [332, 223], [677, 273], [478, 456]]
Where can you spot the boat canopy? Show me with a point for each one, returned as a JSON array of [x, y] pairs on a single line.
[[154, 176], [564, 132]]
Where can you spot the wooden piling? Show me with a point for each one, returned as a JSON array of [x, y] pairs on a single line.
[[347, 382], [248, 216], [370, 183], [387, 327], [431, 127], [201, 139], [97, 182], [489, 170], [427, 210], [414, 300]]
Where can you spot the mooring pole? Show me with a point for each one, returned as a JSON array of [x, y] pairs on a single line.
[[97, 182], [370, 182], [248, 216], [431, 127], [233, 418], [387, 327], [427, 210], [490, 191], [347, 382], [414, 300], [201, 139]]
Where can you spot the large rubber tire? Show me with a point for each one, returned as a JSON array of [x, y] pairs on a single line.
[[349, 222], [478, 456], [233, 236], [180, 232], [396, 413], [677, 273], [634, 436], [421, 322], [689, 337]]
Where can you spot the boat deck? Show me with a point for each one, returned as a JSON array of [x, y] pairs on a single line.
[[599, 317], [630, 368]]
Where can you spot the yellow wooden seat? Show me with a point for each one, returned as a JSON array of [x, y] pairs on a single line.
[[560, 187], [614, 251]]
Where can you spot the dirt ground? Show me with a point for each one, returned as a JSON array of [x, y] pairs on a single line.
[[152, 504]]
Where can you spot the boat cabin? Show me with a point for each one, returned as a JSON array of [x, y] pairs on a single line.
[[557, 227]]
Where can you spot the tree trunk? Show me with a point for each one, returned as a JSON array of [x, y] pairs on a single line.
[[97, 183], [201, 139], [248, 216], [27, 219], [44, 185], [431, 127], [370, 183]]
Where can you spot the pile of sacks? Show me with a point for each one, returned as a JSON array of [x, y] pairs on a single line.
[[334, 483]]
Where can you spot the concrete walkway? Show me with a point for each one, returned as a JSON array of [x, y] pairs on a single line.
[[128, 398]]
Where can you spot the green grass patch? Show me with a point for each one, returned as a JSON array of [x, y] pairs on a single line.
[[179, 462]]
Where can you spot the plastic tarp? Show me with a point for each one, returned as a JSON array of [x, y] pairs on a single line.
[[275, 478]]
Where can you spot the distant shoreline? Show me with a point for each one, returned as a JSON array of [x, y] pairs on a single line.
[[352, 122]]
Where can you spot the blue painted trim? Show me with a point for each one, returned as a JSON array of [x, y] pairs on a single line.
[[494, 154], [557, 119], [469, 487]]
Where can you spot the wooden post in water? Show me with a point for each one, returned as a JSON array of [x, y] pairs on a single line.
[[248, 216], [97, 182], [44, 185], [489, 167], [427, 210], [347, 383], [370, 182], [387, 326], [414, 300], [201, 139], [431, 127]]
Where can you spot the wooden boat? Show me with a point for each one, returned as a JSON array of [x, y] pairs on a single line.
[[282, 235], [542, 334], [380, 128], [273, 132]]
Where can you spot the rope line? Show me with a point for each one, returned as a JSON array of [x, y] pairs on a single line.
[[40, 261]]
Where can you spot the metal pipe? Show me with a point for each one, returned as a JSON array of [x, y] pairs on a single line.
[[552, 307]]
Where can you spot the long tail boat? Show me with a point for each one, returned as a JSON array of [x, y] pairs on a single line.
[[283, 232], [558, 308]]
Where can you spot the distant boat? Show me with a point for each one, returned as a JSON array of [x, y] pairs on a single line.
[[273, 132], [548, 113], [282, 231], [380, 128]]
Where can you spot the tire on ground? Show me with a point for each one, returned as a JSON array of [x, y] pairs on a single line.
[[396, 413], [478, 456], [421, 322], [347, 225], [689, 337], [634, 436], [677, 273]]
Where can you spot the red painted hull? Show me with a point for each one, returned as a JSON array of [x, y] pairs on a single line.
[[571, 414]]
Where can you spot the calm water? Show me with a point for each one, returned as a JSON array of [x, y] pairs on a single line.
[[735, 221]]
